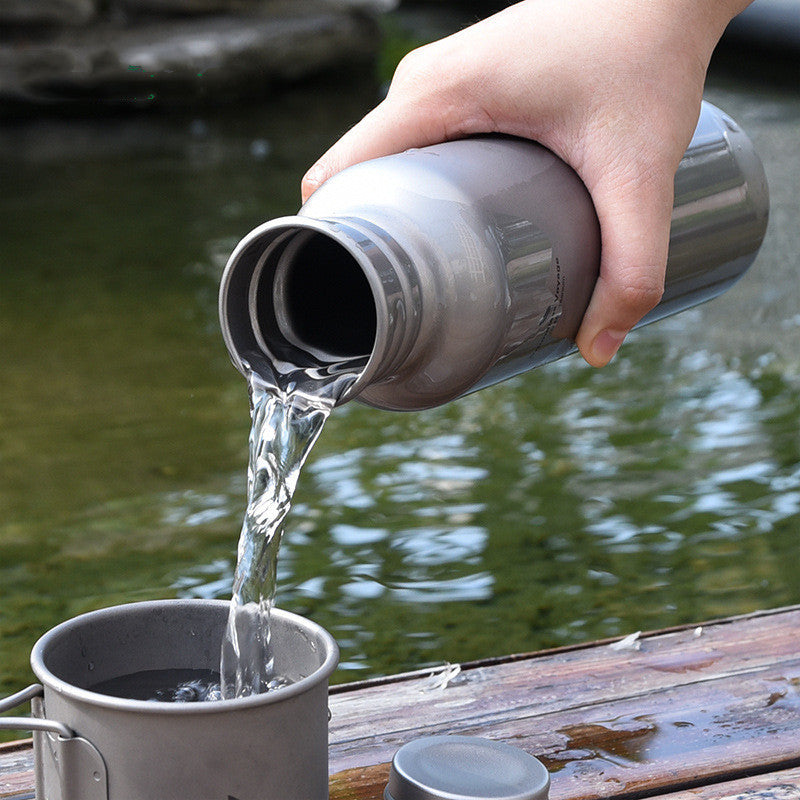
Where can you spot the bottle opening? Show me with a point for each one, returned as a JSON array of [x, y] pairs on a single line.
[[321, 298]]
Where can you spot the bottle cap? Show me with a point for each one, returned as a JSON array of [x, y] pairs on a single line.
[[465, 768]]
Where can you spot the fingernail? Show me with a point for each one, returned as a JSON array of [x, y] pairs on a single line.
[[606, 344], [312, 179], [314, 175]]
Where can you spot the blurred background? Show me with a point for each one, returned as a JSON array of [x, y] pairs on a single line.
[[139, 141]]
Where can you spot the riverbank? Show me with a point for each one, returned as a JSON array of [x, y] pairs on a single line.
[[88, 56]]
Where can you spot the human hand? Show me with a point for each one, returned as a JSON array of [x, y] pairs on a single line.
[[613, 87]]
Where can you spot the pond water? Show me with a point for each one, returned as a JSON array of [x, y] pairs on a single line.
[[563, 506]]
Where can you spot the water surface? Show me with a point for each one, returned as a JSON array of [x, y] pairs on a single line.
[[559, 507]]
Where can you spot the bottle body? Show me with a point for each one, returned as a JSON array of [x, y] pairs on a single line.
[[438, 271]]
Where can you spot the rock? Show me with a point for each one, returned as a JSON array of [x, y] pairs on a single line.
[[46, 12], [370, 6], [187, 59], [187, 7]]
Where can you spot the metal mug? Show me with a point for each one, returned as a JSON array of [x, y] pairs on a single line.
[[91, 746]]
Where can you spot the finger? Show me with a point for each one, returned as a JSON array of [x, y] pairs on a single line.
[[433, 98], [378, 134], [412, 115], [372, 137], [634, 224]]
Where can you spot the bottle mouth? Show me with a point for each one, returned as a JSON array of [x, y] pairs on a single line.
[[311, 291], [321, 305], [299, 306]]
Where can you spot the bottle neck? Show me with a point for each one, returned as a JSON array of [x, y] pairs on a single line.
[[321, 305]]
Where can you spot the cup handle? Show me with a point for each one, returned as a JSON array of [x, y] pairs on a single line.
[[81, 772], [30, 723]]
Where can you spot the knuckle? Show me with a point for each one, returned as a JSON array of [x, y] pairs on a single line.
[[416, 71], [635, 297], [431, 89]]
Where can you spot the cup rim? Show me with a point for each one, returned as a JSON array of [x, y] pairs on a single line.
[[72, 692]]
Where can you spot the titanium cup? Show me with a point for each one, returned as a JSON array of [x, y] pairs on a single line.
[[90, 746]]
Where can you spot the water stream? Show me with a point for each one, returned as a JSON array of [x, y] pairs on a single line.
[[284, 429]]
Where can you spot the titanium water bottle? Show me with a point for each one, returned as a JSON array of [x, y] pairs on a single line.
[[442, 270]]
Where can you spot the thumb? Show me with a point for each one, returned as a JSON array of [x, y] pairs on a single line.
[[367, 139], [634, 224]]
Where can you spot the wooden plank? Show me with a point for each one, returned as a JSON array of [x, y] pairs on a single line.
[[369, 723], [546, 683], [16, 769], [682, 710], [781, 785], [686, 709]]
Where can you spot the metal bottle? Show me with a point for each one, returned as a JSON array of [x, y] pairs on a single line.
[[442, 270]]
